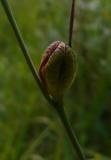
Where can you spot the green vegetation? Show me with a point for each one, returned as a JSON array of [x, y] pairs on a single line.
[[29, 129]]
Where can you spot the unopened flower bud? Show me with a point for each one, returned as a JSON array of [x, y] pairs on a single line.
[[57, 69]]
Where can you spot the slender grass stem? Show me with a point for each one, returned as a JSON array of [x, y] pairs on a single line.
[[34, 144], [23, 46], [29, 61], [70, 133], [71, 23]]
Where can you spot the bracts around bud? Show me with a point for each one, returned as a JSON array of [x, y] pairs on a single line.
[[57, 69]]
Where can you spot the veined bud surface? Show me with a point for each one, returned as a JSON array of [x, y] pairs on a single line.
[[57, 69]]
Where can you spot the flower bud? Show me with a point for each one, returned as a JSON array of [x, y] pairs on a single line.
[[57, 69]]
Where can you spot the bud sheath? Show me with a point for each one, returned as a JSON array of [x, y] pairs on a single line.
[[57, 69]]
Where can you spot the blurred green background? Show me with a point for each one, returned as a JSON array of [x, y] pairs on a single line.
[[29, 127]]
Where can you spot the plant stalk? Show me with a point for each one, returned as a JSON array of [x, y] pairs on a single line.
[[61, 113], [22, 45], [70, 133], [71, 23]]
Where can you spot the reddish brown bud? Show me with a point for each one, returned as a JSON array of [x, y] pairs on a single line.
[[57, 69]]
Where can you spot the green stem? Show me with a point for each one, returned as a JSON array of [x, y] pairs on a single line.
[[29, 61], [23, 46], [72, 137], [71, 23]]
